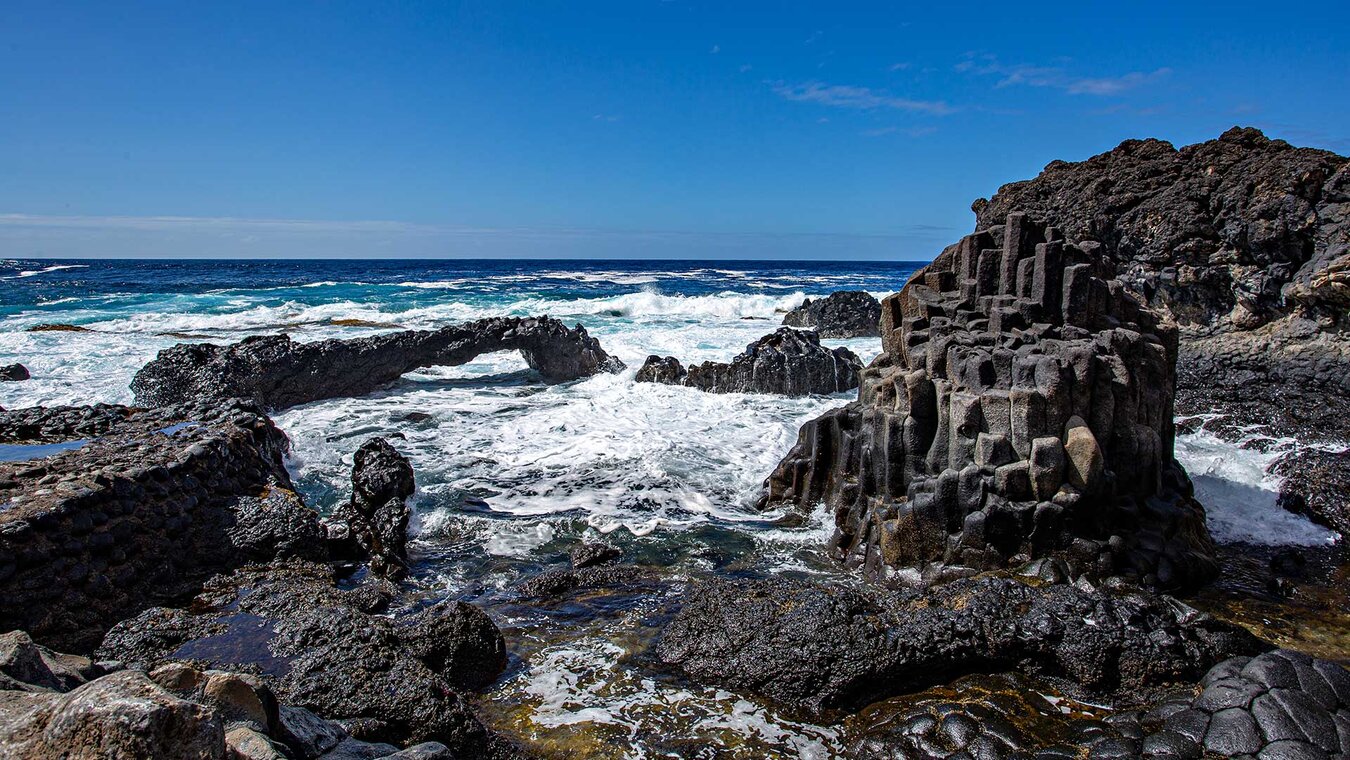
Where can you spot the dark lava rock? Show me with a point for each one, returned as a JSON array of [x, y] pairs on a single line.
[[843, 314], [58, 328], [1022, 409], [788, 362], [387, 677], [1315, 485], [278, 372], [555, 583], [139, 515], [14, 373], [817, 647], [593, 554], [376, 518]]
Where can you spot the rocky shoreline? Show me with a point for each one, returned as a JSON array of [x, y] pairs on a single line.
[[1020, 561]]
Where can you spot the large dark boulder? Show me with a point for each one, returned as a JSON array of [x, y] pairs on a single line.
[[842, 314], [139, 509], [1022, 408], [789, 362], [13, 373], [816, 647], [389, 674], [278, 372], [375, 520]]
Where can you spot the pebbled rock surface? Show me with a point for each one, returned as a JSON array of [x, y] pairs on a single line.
[[842, 314], [390, 675], [153, 504], [278, 372], [817, 647], [376, 517], [13, 373], [788, 362], [1022, 408]]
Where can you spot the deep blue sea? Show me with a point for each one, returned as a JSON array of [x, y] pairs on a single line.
[[511, 472]]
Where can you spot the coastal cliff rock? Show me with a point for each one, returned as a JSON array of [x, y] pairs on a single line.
[[1022, 408], [843, 314], [278, 372], [119, 509], [375, 520], [389, 675], [788, 362]]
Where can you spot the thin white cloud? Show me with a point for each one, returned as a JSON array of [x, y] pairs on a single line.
[[863, 98], [716, 49], [1056, 77], [899, 66]]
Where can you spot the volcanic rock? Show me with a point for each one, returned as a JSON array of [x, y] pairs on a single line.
[[376, 518], [594, 554], [817, 647], [843, 314], [389, 677], [140, 512], [788, 362], [14, 373], [278, 372], [1022, 408]]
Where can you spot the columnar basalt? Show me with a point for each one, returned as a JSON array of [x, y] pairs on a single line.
[[1021, 408], [277, 372], [789, 362]]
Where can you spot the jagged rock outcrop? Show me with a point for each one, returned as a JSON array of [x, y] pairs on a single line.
[[788, 362], [1022, 408], [14, 373], [842, 314], [388, 674], [374, 524], [817, 647], [278, 372], [141, 508]]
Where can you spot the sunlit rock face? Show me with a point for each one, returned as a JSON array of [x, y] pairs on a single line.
[[1021, 409]]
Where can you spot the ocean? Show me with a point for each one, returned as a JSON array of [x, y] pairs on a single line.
[[511, 472]]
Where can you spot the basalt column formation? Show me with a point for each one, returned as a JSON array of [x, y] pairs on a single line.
[[1021, 410]]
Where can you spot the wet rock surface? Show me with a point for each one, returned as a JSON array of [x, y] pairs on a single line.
[[842, 314], [277, 372], [388, 674], [14, 373], [789, 362], [818, 647], [373, 525], [1022, 409], [139, 514]]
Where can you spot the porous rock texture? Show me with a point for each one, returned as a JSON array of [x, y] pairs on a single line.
[[387, 674], [788, 362], [815, 647], [374, 524], [278, 372], [842, 314], [1022, 408], [152, 504]]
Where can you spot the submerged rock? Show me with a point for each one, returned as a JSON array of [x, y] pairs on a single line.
[[788, 362], [817, 647], [1022, 409], [376, 517], [843, 314], [395, 676], [14, 373], [95, 530], [278, 372]]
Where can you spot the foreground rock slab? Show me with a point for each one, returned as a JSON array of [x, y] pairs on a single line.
[[119, 509], [842, 314], [788, 362], [278, 373], [1022, 408]]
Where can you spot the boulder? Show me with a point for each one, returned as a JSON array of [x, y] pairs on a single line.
[[376, 517], [140, 509], [788, 362], [1315, 483], [1022, 409], [843, 314], [13, 373], [594, 554], [277, 372]]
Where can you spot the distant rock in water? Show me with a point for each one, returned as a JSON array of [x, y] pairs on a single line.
[[58, 328], [788, 362], [376, 518], [278, 372], [843, 314], [1022, 408], [14, 373]]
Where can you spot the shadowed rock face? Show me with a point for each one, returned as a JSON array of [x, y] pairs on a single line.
[[13, 373], [376, 518], [844, 314], [140, 509], [1022, 408], [278, 372], [788, 362]]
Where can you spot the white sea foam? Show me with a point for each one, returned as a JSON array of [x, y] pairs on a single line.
[[44, 270]]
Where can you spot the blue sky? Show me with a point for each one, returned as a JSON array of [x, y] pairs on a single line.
[[645, 128]]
